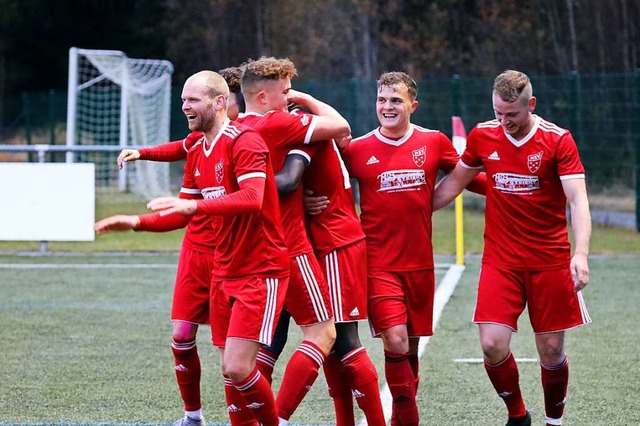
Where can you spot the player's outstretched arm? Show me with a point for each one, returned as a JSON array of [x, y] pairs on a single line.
[[127, 155], [576, 192], [117, 223]]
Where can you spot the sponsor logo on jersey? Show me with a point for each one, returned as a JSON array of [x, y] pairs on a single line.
[[232, 408], [255, 405], [534, 161], [372, 160], [494, 156], [213, 192], [419, 156], [304, 120], [401, 180], [219, 170], [355, 312], [196, 173], [514, 183]]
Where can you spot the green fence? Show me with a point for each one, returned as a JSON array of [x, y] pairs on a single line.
[[599, 109]]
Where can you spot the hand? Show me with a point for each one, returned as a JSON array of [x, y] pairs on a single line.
[[116, 223], [169, 205], [313, 206], [297, 97], [127, 155], [343, 142], [579, 271]]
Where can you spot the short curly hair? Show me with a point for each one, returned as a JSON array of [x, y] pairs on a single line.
[[232, 76], [392, 78], [266, 69]]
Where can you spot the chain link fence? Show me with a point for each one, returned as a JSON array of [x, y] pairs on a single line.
[[601, 110]]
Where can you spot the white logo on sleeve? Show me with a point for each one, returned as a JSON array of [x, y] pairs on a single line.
[[494, 156], [304, 120], [196, 173]]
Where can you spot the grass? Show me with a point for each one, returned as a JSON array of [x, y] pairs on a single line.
[[92, 345]]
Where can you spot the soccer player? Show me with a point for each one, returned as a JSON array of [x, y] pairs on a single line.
[[230, 177], [191, 292], [534, 168], [266, 86], [338, 241], [396, 166]]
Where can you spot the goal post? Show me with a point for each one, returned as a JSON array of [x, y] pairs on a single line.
[[459, 143], [119, 101]]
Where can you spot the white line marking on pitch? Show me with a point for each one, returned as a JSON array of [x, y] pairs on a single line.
[[480, 360], [443, 293], [86, 265]]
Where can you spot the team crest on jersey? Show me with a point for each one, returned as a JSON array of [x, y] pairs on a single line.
[[534, 161], [304, 120], [419, 156], [219, 171]]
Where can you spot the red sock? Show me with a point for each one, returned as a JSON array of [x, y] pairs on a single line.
[[299, 375], [505, 379], [239, 415], [266, 361], [555, 380], [187, 367], [339, 390], [414, 361], [402, 387], [258, 397], [363, 377]]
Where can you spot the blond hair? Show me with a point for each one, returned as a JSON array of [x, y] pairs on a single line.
[[513, 85]]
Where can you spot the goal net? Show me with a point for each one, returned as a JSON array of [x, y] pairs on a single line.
[[116, 100]]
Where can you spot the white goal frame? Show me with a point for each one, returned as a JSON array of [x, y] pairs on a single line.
[[143, 119]]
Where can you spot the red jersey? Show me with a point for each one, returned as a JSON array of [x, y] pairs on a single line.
[[282, 131], [199, 234], [338, 225], [397, 179], [525, 217], [247, 244]]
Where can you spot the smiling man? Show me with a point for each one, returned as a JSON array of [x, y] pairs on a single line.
[[396, 166], [535, 169]]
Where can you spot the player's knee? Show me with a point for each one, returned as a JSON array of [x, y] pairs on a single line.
[[322, 334], [395, 340], [184, 331], [236, 369], [347, 338], [494, 349]]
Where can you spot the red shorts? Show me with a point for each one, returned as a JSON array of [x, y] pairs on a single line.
[[191, 291], [397, 298], [246, 308], [346, 273], [307, 297], [552, 303]]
